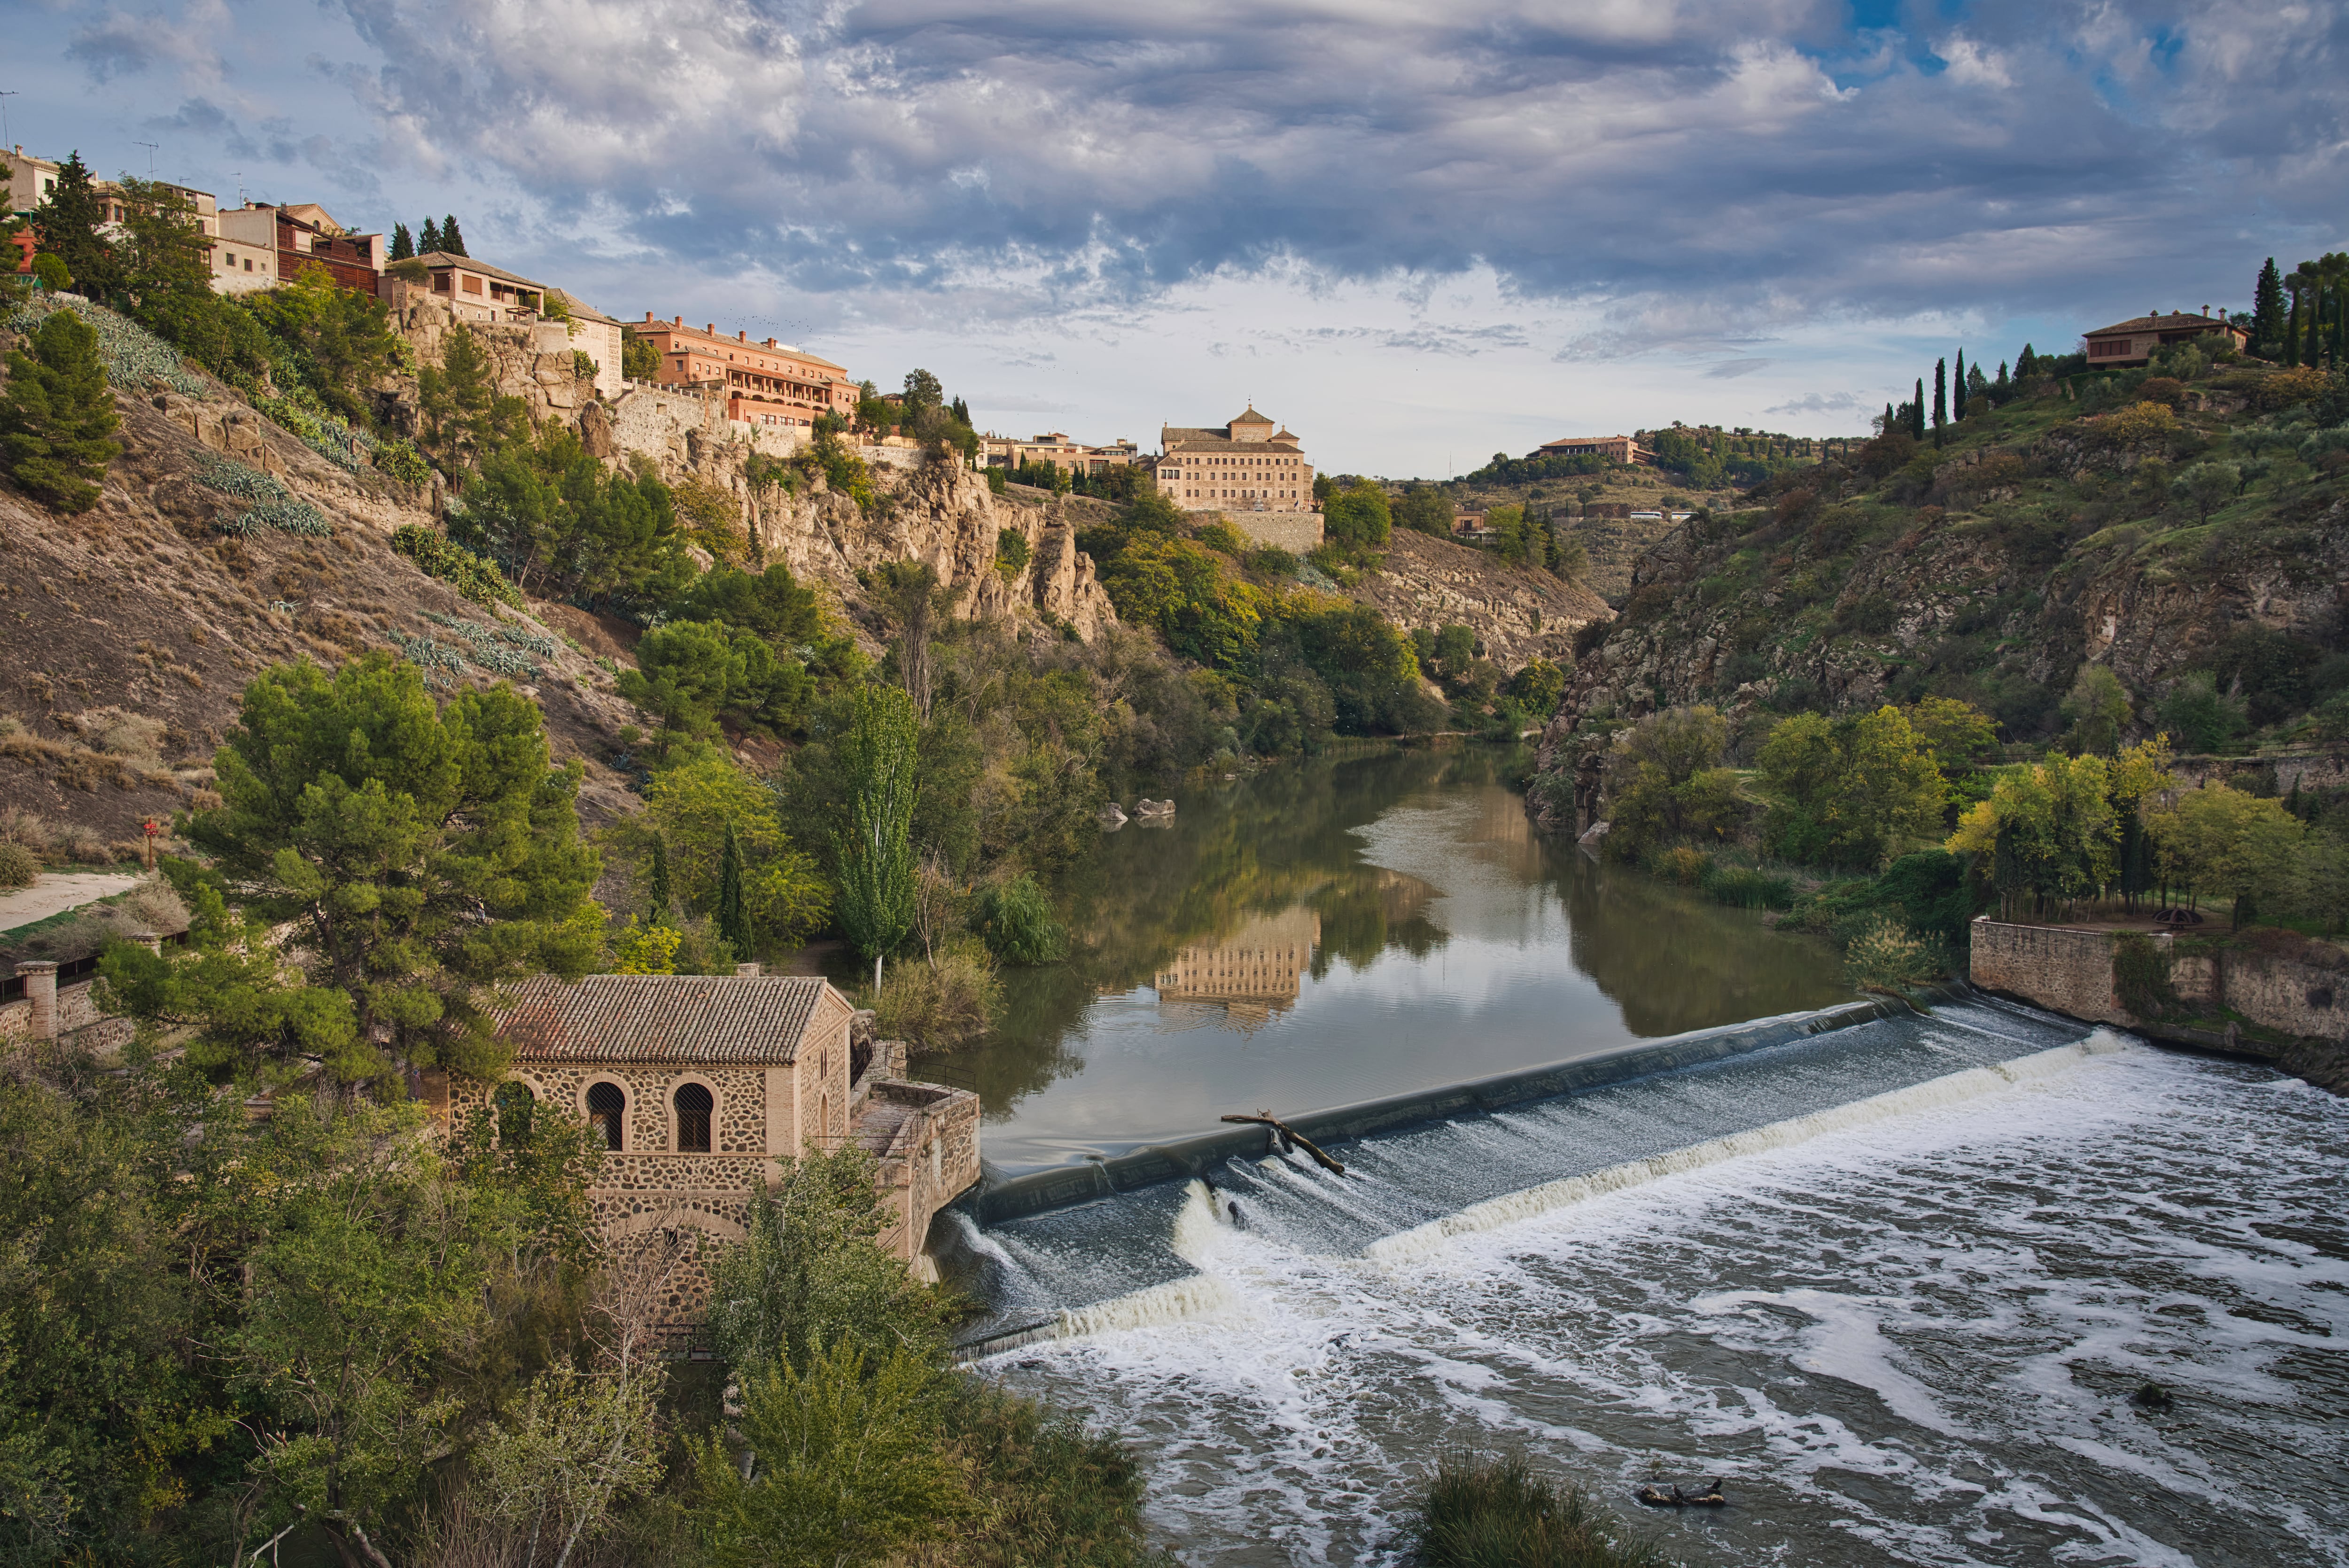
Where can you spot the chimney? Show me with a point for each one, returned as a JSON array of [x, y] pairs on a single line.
[[677, 321], [741, 337], [648, 315], [749, 971], [41, 990], [710, 328]]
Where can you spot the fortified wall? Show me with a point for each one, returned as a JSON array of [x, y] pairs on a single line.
[[2289, 1009]]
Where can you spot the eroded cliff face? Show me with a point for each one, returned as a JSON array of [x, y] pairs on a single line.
[[942, 514], [1516, 614]]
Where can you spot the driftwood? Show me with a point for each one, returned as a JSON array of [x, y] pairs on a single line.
[[1265, 1118], [1655, 1496]]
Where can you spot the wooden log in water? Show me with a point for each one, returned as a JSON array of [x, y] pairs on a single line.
[[1265, 1118]]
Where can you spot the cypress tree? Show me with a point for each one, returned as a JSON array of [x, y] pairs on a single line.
[[1917, 412], [1889, 426], [1961, 412], [1999, 387], [451, 240], [58, 415], [1941, 396], [430, 242], [2312, 352], [402, 245], [732, 923], [2292, 327], [658, 895], [2025, 363], [2267, 309]]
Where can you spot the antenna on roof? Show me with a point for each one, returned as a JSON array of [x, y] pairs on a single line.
[[3, 115], [151, 150]]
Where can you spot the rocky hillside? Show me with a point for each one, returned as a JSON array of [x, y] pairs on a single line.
[[223, 542], [1517, 613], [2191, 535]]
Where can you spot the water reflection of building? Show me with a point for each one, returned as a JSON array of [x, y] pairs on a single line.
[[1254, 973]]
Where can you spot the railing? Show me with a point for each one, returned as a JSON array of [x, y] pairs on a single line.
[[13, 989]]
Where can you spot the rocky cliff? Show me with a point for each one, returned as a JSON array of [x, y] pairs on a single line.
[[1517, 614]]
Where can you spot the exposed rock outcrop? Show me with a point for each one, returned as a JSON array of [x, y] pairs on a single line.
[[1517, 614]]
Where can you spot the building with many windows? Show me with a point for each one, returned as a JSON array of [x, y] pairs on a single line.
[[765, 383], [1055, 448], [1254, 473], [2132, 342], [294, 238]]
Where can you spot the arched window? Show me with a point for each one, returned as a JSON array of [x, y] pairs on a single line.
[[693, 1106], [514, 1102], [608, 1110]]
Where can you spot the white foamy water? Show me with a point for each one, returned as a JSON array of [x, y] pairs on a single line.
[[1904, 1330]]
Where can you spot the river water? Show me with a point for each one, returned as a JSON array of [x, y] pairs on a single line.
[[1895, 1285]]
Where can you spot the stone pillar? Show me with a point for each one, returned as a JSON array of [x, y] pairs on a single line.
[[41, 990], [750, 969], [150, 941]]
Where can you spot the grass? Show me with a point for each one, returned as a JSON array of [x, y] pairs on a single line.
[[1494, 1511]]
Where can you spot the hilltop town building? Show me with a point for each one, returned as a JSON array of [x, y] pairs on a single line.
[[476, 291], [1055, 448], [1620, 449], [764, 383], [698, 1085], [299, 237], [2133, 341], [1254, 474]]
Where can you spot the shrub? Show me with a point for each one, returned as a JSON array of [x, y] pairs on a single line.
[[2141, 977], [1887, 956], [287, 516], [403, 461], [1017, 921], [938, 1005], [18, 866], [1684, 864], [467, 573], [1481, 1512], [1749, 887], [2286, 388], [1010, 551]]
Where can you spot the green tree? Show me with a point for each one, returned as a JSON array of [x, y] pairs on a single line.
[[2268, 310], [464, 416], [733, 920], [660, 899], [69, 218], [639, 360], [771, 604], [1857, 790], [1424, 509], [430, 854], [343, 344], [1357, 517], [1917, 412], [452, 241], [1959, 736], [163, 252], [1667, 783], [403, 244], [56, 417], [1940, 398], [922, 391], [1538, 689], [690, 805], [2207, 487], [429, 238], [2098, 708], [689, 672], [2219, 839], [876, 855], [2203, 717], [1959, 411]]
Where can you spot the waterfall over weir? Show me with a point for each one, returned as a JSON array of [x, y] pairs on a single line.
[[1897, 1282]]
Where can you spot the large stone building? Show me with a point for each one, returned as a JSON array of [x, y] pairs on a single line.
[[1055, 448], [1619, 449], [303, 236], [1254, 474], [698, 1085], [764, 383]]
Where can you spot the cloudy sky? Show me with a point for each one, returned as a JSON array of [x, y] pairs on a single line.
[[1416, 233]]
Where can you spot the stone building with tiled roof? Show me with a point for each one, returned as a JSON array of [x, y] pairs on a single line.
[[700, 1084], [1255, 475], [2133, 341]]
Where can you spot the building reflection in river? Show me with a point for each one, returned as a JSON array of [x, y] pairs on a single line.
[[1253, 974]]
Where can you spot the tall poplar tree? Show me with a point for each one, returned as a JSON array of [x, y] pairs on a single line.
[[2268, 309], [876, 853], [733, 925]]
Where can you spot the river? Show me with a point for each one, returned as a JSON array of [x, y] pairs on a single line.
[[1896, 1284]]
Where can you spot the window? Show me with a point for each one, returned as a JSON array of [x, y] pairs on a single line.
[[472, 285], [693, 1108], [607, 1109]]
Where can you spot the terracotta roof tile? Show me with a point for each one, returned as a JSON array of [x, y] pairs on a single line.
[[661, 1019]]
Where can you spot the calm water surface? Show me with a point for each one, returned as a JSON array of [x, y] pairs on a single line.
[[1346, 929]]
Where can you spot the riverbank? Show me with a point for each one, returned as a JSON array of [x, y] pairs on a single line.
[[2265, 993]]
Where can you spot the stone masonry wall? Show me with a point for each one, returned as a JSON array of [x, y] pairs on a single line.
[[2068, 970], [1298, 533]]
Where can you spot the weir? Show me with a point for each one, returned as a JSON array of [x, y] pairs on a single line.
[[1066, 1252]]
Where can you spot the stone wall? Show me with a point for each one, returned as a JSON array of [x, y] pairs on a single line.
[[1298, 533], [2301, 1001], [78, 1017]]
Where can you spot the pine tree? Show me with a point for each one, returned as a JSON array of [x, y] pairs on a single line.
[[1960, 412], [451, 240], [58, 415], [2025, 363], [733, 925], [430, 241], [402, 245], [68, 219], [2267, 309], [1889, 426], [1917, 412], [658, 894], [1999, 387]]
